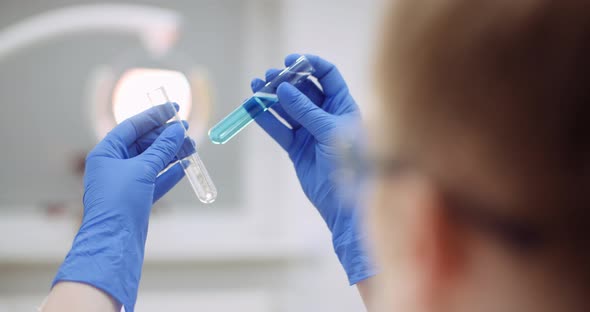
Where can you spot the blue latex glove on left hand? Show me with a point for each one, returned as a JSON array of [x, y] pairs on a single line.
[[318, 118], [121, 183]]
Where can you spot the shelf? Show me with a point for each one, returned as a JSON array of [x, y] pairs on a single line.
[[33, 239]]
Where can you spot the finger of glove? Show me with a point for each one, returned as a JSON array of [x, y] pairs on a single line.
[[116, 143], [304, 111], [167, 180], [307, 87], [256, 85], [271, 74], [164, 148], [276, 129], [133, 128], [270, 124], [327, 74], [310, 90], [148, 139]]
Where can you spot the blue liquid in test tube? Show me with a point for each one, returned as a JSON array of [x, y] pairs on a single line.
[[260, 102]]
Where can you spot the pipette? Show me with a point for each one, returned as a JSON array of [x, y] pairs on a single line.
[[260, 102], [193, 166]]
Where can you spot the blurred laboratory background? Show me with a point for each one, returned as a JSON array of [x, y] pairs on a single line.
[[70, 70]]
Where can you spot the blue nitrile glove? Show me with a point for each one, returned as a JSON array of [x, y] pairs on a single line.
[[317, 119], [121, 183]]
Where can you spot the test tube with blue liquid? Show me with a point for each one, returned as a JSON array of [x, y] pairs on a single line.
[[193, 166], [260, 102]]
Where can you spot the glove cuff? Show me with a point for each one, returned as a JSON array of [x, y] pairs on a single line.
[[107, 264], [355, 260]]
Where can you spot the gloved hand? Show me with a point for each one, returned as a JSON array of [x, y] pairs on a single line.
[[317, 118], [121, 183]]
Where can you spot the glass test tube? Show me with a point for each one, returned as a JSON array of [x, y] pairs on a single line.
[[260, 102], [192, 164]]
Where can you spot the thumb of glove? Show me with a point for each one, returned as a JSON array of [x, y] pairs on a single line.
[[164, 148], [303, 110]]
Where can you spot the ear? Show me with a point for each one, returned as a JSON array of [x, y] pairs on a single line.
[[439, 253]]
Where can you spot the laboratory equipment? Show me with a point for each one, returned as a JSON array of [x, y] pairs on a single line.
[[260, 102], [193, 166]]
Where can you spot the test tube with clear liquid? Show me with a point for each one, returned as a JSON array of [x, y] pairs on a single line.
[[260, 102], [193, 166]]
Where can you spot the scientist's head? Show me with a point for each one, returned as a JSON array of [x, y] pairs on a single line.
[[482, 193]]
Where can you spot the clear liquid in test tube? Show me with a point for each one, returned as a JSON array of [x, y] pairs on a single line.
[[193, 166]]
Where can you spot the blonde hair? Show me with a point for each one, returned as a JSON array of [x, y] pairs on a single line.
[[491, 99]]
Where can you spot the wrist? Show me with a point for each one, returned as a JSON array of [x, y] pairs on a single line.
[[355, 260], [108, 256], [349, 243], [350, 247]]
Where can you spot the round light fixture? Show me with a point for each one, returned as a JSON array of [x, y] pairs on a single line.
[[129, 95], [119, 90]]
